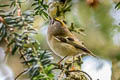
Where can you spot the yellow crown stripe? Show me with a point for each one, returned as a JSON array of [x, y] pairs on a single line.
[[63, 24]]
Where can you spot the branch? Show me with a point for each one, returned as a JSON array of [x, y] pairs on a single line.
[[20, 74]]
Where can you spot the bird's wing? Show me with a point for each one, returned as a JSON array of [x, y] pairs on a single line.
[[74, 42]]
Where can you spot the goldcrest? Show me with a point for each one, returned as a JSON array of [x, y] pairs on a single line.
[[62, 42]]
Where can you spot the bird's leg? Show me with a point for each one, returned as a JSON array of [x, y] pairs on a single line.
[[62, 60], [59, 63]]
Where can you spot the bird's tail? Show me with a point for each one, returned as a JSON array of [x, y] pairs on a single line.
[[88, 51], [91, 53]]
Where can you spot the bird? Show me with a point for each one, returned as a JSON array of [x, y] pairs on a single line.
[[63, 42]]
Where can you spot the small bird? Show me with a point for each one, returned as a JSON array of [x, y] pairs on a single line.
[[62, 42]]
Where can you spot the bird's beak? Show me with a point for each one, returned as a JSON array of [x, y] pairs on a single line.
[[52, 21]]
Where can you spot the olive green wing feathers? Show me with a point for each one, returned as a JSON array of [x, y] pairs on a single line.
[[76, 43]]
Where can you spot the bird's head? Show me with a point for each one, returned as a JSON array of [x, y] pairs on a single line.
[[57, 27]]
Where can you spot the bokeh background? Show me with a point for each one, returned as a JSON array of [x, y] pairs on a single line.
[[101, 24]]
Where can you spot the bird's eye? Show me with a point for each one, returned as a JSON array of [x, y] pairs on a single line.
[[71, 39]]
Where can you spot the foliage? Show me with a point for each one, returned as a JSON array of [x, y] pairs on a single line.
[[40, 61], [117, 5], [62, 9], [17, 30], [40, 8]]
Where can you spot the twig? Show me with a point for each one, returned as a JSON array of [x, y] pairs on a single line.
[[19, 9], [20, 74], [3, 21]]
